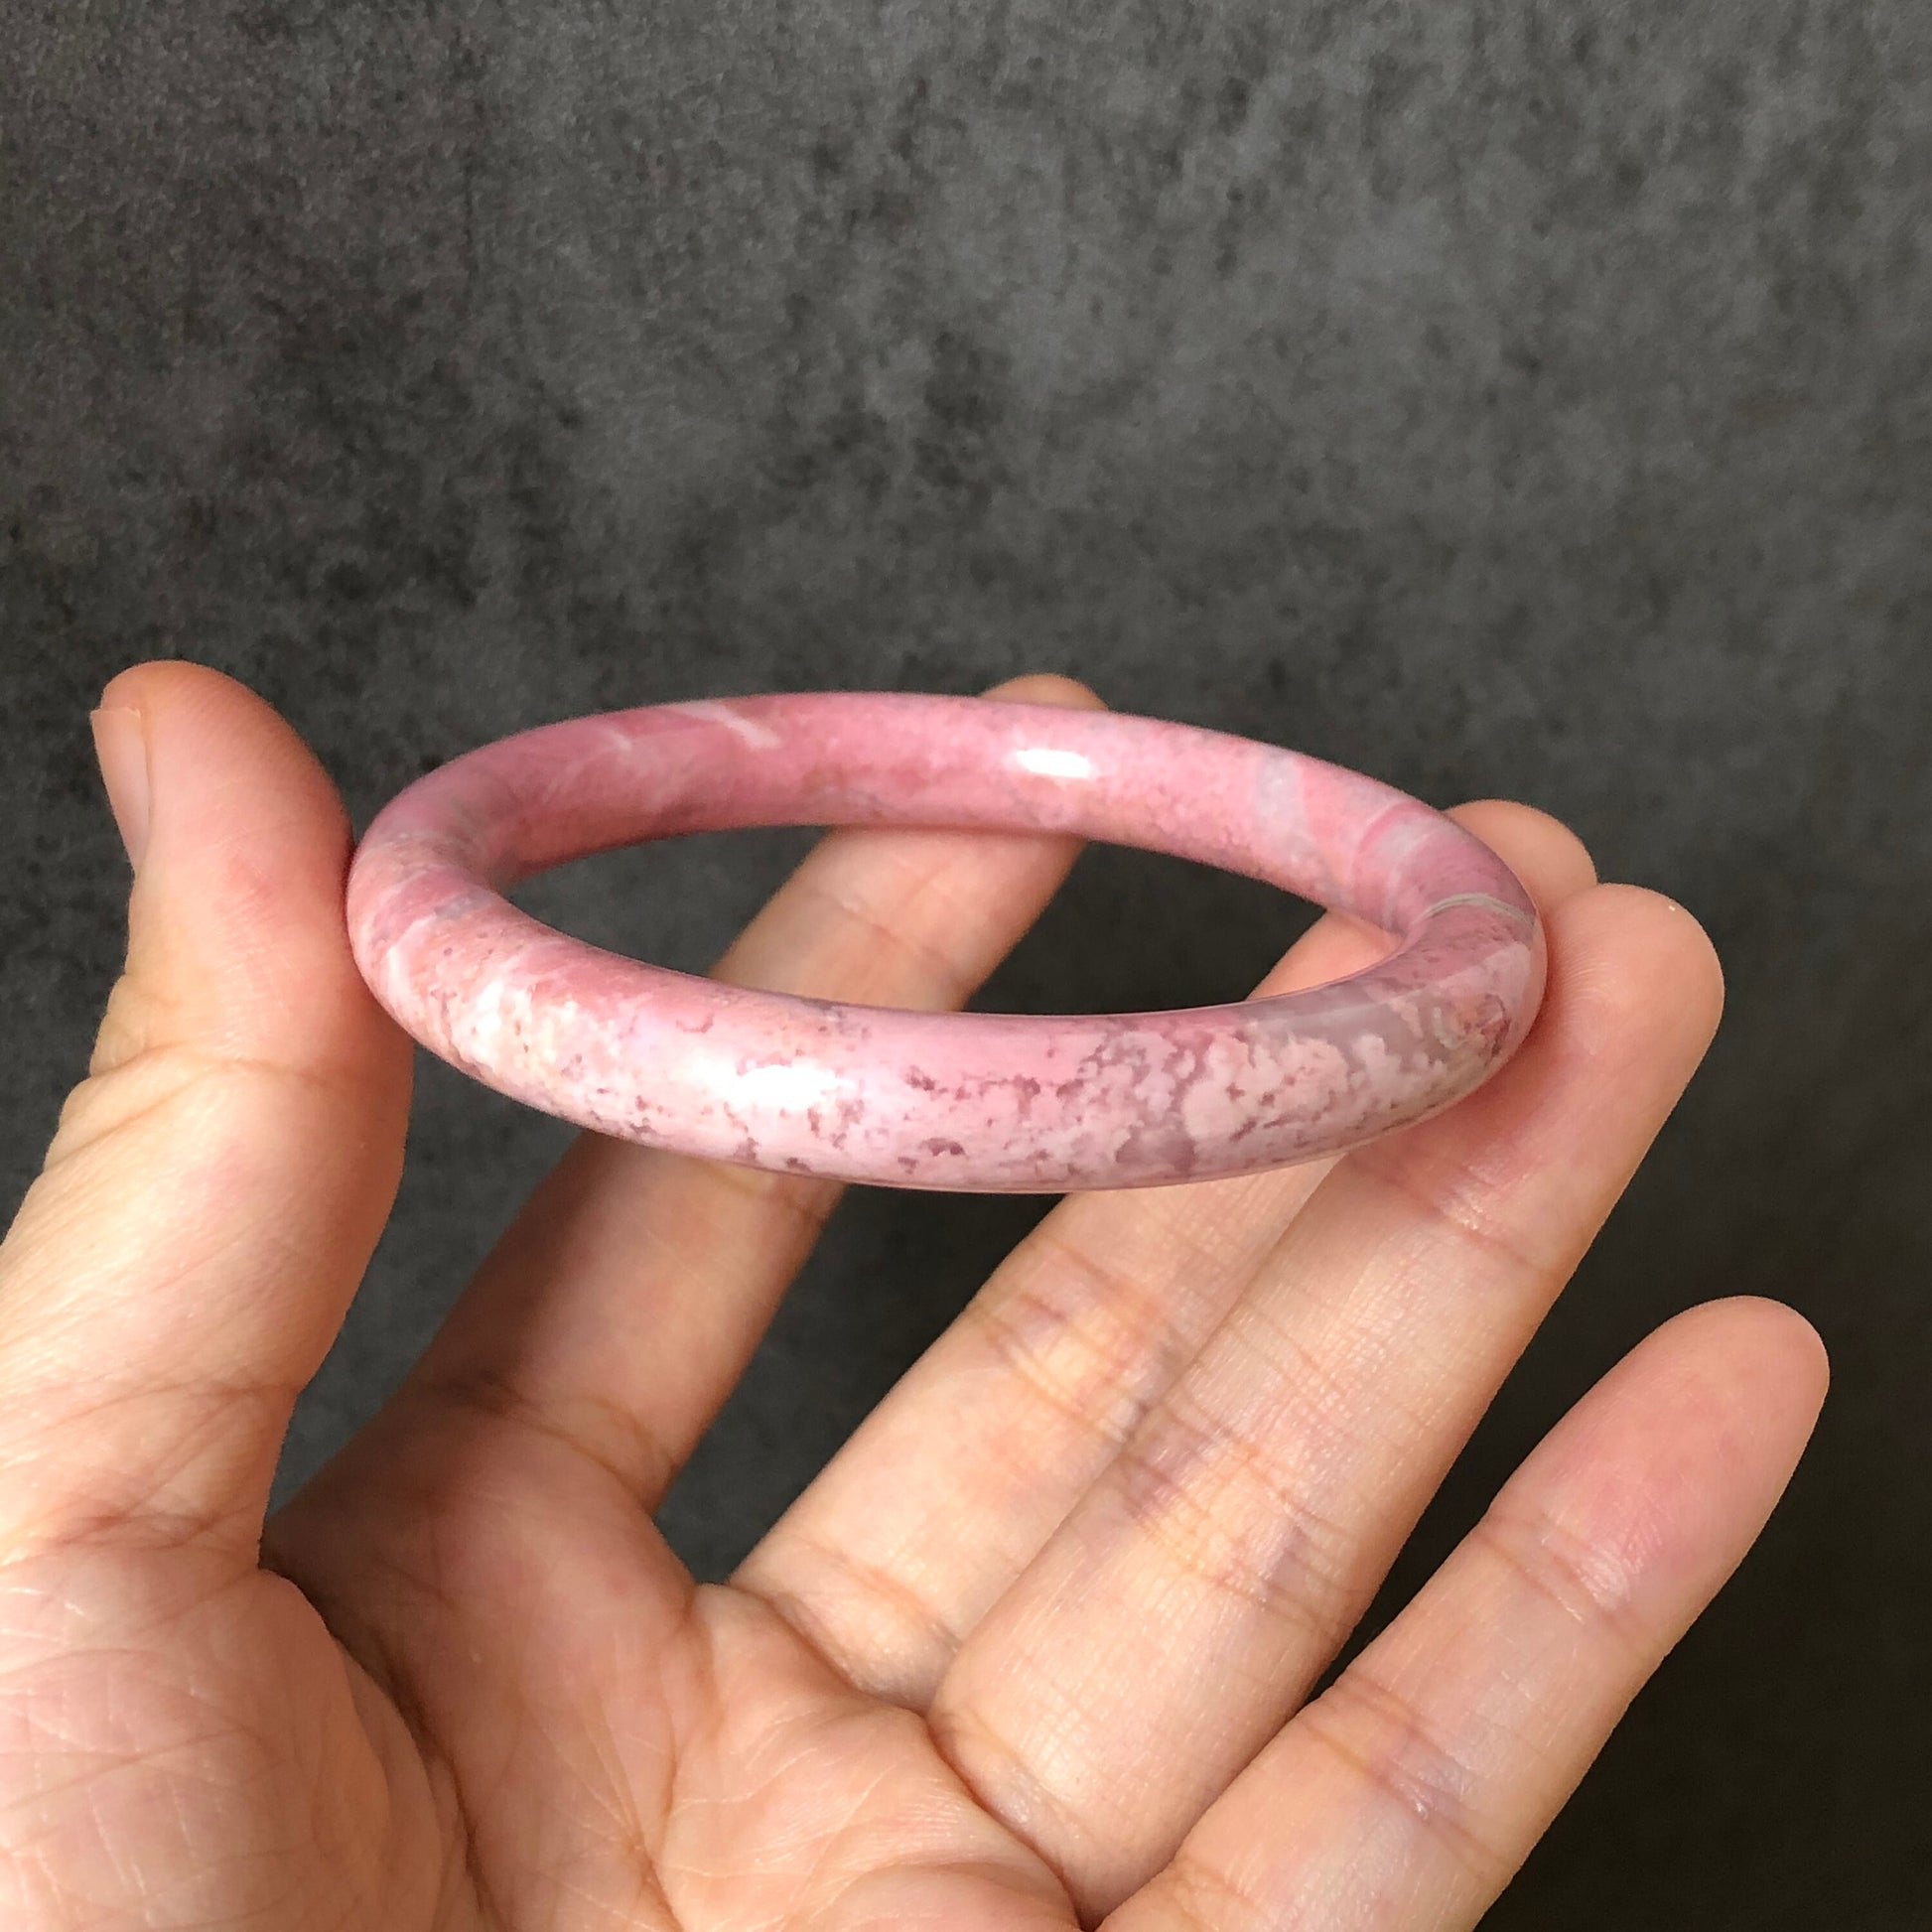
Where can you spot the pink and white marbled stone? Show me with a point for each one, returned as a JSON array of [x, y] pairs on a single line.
[[994, 1102]]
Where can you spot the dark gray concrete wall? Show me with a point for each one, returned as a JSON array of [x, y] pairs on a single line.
[[1530, 399]]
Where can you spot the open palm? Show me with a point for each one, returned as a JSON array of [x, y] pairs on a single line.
[[1038, 1649]]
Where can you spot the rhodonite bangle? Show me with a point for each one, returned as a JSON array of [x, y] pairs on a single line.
[[996, 1102]]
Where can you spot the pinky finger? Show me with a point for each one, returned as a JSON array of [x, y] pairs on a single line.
[[1408, 1794]]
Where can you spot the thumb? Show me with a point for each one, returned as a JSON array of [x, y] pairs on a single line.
[[217, 1181]]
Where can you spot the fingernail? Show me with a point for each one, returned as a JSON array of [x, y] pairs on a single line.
[[121, 745]]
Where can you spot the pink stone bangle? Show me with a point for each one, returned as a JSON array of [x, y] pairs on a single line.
[[1002, 1103]]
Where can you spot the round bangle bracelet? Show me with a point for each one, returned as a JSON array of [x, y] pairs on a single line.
[[1002, 1103]]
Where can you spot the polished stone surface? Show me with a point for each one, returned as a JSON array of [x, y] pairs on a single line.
[[1002, 1103]]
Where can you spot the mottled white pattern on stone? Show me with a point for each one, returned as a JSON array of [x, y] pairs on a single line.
[[996, 1102]]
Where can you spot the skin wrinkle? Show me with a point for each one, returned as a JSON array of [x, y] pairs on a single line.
[[489, 1394], [832, 1844], [938, 975], [1450, 1211], [213, 1393], [1110, 1388], [108, 1762], [116, 1761], [142, 1518], [1189, 1429], [1049, 1243], [1547, 1559], [810, 1202], [838, 1910], [58, 1217], [1183, 1883], [952, 1730], [71, 1138], [703, 1636], [130, 1612], [366, 1646], [874, 1584], [1277, 1554], [1405, 1766], [829, 1841], [1308, 1377], [611, 1799], [62, 1321], [66, 1320]]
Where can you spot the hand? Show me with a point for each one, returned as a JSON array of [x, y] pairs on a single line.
[[1036, 1650]]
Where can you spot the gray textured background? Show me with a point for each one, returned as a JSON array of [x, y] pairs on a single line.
[[1528, 398]]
